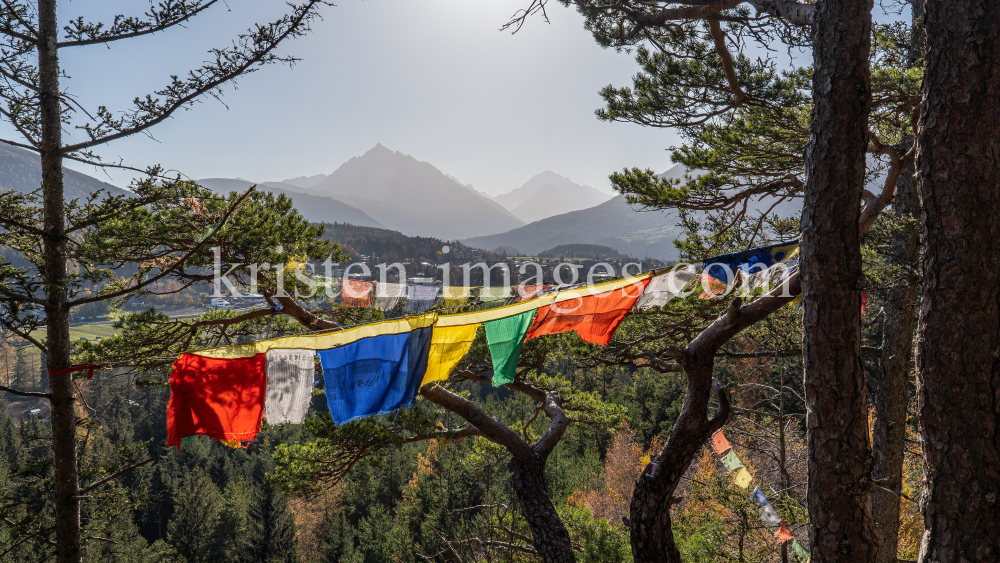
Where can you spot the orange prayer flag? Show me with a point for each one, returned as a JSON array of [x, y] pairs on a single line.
[[593, 317], [719, 443], [783, 533]]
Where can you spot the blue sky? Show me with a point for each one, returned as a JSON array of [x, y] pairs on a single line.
[[435, 79]]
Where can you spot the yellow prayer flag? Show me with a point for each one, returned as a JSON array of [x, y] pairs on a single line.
[[448, 346], [743, 478]]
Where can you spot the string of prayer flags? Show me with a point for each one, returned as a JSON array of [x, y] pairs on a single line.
[[448, 346], [594, 317], [290, 375], [421, 297], [666, 286], [505, 338], [723, 268], [720, 444], [784, 534], [375, 375], [357, 293], [221, 398], [743, 478], [732, 461]]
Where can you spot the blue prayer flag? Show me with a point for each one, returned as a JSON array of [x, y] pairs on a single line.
[[375, 375], [758, 497]]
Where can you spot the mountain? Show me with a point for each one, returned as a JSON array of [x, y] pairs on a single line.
[[21, 171], [612, 223], [304, 182], [549, 194], [413, 197], [317, 209]]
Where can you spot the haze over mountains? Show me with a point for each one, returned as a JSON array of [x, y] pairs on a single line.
[[548, 194], [21, 171]]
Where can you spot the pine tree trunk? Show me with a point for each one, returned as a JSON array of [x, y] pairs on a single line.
[[839, 495], [958, 374], [650, 529], [549, 534], [67, 505], [889, 392]]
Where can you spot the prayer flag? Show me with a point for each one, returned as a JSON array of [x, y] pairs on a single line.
[[388, 296], [743, 478], [732, 461], [711, 287], [758, 497], [784, 534], [290, 375], [448, 346], [506, 337], [800, 551], [666, 286], [490, 294], [526, 291], [769, 516], [357, 293], [864, 300], [720, 444], [421, 297], [724, 267], [454, 296], [223, 399], [375, 375], [593, 317]]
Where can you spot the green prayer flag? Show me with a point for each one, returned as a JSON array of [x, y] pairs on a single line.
[[505, 337], [732, 461], [800, 551]]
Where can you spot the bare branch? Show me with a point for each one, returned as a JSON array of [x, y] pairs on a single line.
[[25, 393]]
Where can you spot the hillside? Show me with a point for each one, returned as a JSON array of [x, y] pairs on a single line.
[[549, 194], [392, 246], [612, 223], [317, 209], [592, 251], [414, 197], [21, 171]]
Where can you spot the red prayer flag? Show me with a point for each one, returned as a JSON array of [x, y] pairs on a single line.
[[715, 286], [223, 399], [593, 317], [357, 293], [719, 443], [783, 533], [864, 300]]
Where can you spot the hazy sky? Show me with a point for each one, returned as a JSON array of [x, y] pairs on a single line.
[[435, 79]]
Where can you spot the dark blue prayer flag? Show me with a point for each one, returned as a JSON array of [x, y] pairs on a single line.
[[375, 375]]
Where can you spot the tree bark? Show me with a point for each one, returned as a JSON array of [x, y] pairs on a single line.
[[958, 374], [547, 530], [889, 389], [839, 494], [67, 505], [650, 529]]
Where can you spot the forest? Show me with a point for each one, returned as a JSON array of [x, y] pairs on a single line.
[[838, 408]]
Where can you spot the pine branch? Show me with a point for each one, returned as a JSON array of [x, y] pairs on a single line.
[[169, 14]]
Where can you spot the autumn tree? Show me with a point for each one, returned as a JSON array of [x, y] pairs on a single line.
[[51, 232]]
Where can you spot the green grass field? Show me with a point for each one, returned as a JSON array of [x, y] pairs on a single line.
[[88, 331]]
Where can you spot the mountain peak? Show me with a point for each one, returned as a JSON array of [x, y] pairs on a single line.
[[378, 150]]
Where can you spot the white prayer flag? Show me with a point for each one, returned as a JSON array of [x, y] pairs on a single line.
[[666, 286], [289, 385]]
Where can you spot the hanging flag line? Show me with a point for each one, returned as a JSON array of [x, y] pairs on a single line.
[[743, 478], [377, 368]]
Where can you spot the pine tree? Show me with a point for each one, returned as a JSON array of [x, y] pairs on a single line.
[[270, 534], [191, 532]]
